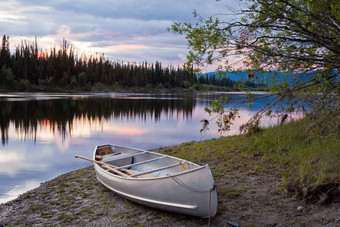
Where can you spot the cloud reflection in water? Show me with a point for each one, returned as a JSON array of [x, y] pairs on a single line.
[[41, 135]]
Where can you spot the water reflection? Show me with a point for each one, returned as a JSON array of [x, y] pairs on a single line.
[[42, 133], [64, 115]]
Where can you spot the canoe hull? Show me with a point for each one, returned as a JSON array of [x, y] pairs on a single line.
[[192, 192]]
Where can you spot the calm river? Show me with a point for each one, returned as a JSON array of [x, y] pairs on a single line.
[[41, 133]]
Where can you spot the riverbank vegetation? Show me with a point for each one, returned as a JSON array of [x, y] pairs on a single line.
[[307, 161], [300, 38]]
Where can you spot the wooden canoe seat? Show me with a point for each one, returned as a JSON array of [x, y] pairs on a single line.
[[155, 170], [139, 163], [114, 158]]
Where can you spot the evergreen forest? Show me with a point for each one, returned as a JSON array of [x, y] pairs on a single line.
[[30, 68]]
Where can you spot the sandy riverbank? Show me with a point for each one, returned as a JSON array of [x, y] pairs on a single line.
[[78, 199]]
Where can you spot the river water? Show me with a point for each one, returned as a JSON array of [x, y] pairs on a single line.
[[41, 133]]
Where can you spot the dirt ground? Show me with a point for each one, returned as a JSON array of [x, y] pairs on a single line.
[[246, 197]]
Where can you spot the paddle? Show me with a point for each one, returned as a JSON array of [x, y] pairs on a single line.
[[112, 168]]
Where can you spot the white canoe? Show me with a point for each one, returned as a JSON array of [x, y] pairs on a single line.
[[157, 180]]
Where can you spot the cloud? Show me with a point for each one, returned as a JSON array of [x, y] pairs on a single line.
[[12, 162], [125, 9], [19, 189], [129, 30]]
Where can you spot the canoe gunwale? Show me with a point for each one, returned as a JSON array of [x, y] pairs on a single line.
[[150, 178], [140, 151], [145, 152]]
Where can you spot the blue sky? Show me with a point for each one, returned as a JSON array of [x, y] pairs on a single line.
[[128, 30]]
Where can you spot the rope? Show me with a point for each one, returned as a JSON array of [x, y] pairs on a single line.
[[190, 188], [196, 190]]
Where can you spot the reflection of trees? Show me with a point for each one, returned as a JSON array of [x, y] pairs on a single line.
[[233, 98], [26, 116]]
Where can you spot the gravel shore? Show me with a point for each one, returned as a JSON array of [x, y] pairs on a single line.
[[78, 199]]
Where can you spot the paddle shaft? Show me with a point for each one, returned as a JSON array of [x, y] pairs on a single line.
[[112, 168]]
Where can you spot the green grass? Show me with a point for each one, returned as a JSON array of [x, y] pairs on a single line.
[[65, 217], [85, 210], [303, 159], [230, 192]]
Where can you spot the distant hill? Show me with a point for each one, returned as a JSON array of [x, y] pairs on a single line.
[[267, 78]]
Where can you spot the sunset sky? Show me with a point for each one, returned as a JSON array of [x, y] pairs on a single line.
[[128, 30]]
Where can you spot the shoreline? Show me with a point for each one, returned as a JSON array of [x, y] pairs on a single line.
[[77, 198], [127, 91], [103, 89]]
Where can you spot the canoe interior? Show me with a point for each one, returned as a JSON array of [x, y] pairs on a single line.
[[143, 161]]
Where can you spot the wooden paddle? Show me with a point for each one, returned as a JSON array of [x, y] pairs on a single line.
[[112, 168]]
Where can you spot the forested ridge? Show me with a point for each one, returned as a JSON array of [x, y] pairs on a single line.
[[30, 67]]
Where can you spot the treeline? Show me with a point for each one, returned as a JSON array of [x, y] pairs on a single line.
[[58, 69], [215, 80], [225, 81], [61, 67]]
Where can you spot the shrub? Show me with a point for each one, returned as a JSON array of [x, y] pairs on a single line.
[[82, 79], [87, 87], [186, 84], [23, 85]]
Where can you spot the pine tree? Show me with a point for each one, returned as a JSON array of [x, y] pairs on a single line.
[[5, 52]]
